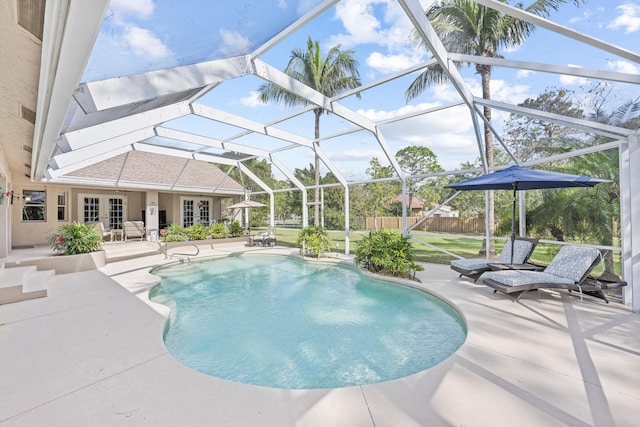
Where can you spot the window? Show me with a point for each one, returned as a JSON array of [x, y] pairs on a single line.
[[188, 214], [62, 206], [31, 16], [34, 205]]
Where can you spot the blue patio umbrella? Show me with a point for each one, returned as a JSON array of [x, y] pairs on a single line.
[[520, 178]]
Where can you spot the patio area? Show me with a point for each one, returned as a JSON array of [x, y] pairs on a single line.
[[91, 353]]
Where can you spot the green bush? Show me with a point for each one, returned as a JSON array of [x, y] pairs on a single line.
[[196, 232], [387, 252], [172, 233], [313, 240], [75, 238], [218, 230], [236, 229]]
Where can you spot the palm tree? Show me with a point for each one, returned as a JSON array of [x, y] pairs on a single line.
[[330, 75], [466, 27]]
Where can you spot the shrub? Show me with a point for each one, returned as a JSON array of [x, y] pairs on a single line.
[[236, 229], [196, 232], [75, 238], [218, 230], [386, 252], [313, 240], [172, 233]]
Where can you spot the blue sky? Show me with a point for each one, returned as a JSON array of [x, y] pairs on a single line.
[[139, 35]]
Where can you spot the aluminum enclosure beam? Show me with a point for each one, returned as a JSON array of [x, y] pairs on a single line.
[[241, 122], [595, 127], [266, 188], [548, 68], [629, 215], [70, 30], [560, 29], [91, 151], [109, 93], [104, 131], [298, 184], [416, 14]]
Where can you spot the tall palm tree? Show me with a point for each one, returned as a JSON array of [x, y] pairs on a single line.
[[330, 75], [468, 28]]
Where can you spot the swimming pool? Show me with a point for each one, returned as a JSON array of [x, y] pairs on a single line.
[[285, 323]]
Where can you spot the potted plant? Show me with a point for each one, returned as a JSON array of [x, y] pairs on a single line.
[[75, 238]]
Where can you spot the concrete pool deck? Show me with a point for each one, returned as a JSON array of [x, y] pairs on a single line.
[[91, 354]]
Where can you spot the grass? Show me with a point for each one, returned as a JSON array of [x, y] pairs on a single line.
[[466, 248]]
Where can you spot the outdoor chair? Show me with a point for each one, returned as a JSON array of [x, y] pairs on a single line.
[[99, 226], [133, 229], [475, 267], [263, 239], [569, 269]]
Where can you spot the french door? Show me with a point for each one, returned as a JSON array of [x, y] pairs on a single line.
[[196, 210], [110, 210]]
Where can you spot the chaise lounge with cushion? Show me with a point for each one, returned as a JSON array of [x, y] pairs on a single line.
[[475, 267], [569, 269]]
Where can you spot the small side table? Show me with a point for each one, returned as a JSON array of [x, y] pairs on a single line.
[[504, 266], [116, 234]]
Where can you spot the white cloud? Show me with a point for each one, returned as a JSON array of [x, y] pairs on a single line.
[[390, 63], [362, 25], [233, 43], [251, 100], [585, 17], [573, 80], [141, 9], [354, 155], [143, 42], [629, 18], [623, 67], [448, 133], [501, 90], [523, 74]]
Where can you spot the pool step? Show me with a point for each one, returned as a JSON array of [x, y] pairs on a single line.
[[23, 283]]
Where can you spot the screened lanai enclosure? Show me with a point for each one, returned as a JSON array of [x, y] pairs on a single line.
[[138, 94]]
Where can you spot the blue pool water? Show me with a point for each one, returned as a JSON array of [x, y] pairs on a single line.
[[285, 323]]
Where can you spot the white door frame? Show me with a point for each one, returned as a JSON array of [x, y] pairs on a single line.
[[202, 215], [103, 211]]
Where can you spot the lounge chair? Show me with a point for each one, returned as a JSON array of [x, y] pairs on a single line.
[[474, 267], [133, 229], [569, 269]]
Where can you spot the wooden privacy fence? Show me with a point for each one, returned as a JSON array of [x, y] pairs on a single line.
[[435, 224]]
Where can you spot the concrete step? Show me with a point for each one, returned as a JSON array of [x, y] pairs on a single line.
[[15, 275], [23, 283], [37, 280]]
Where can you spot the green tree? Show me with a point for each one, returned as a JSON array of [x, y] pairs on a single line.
[[330, 75], [262, 169], [530, 138], [378, 194], [589, 215], [466, 27], [417, 160]]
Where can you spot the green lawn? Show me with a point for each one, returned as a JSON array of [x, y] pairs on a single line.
[[466, 248]]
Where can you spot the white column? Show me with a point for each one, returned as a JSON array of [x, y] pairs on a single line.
[[630, 219], [152, 222]]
